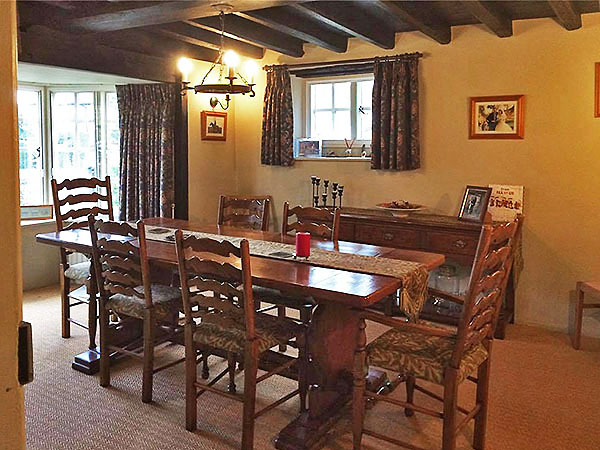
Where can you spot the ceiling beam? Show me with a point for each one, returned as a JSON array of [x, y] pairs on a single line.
[[566, 14], [344, 17], [252, 32], [191, 33], [41, 45], [440, 32], [490, 15], [153, 44], [298, 25], [165, 12]]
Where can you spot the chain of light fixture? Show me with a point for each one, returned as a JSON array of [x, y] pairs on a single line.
[[222, 88]]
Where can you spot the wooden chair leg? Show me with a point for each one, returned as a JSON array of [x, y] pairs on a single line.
[[205, 371], [578, 319], [358, 391], [483, 382], [450, 394], [149, 329], [281, 316], [191, 406], [65, 290], [410, 391], [104, 350], [231, 366], [302, 370], [306, 314], [92, 313], [250, 371]]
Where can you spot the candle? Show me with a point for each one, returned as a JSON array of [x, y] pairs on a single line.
[[302, 244]]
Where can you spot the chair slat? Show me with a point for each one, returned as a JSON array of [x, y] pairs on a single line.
[[74, 199], [120, 289], [124, 279], [220, 270], [199, 245], [81, 182], [84, 212]]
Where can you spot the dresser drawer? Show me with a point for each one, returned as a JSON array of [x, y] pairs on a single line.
[[399, 237], [346, 232], [462, 244]]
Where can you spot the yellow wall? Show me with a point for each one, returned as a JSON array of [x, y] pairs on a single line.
[[558, 161], [12, 428]]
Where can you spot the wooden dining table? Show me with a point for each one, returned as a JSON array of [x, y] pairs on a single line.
[[339, 295]]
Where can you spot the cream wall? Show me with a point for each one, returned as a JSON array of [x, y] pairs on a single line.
[[211, 163], [12, 414], [558, 161], [39, 261]]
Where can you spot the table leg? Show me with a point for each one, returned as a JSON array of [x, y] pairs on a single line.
[[331, 343]]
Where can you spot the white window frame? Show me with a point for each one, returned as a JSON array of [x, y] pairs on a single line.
[[333, 144]]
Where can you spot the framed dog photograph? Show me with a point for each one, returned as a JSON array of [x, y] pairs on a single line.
[[214, 126], [475, 203], [497, 117]]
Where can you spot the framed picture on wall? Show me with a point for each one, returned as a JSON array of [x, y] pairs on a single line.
[[475, 203], [214, 126], [497, 117], [37, 212]]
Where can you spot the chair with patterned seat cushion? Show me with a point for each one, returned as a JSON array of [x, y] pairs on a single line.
[[220, 319], [442, 355], [73, 201], [122, 270]]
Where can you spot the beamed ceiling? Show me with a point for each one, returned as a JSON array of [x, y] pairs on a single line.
[[141, 38]]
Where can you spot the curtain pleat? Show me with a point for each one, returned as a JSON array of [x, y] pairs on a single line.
[[147, 125], [277, 145], [395, 140]]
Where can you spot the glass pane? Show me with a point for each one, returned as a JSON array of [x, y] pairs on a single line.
[[341, 125], [321, 124], [321, 96], [342, 95], [364, 124], [365, 93], [30, 147]]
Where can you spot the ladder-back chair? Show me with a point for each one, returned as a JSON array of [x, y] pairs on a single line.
[[442, 355], [123, 276], [322, 223], [73, 201], [248, 212], [216, 284]]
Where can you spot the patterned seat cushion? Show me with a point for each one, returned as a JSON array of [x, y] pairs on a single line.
[[276, 297], [421, 355], [271, 331], [79, 272], [164, 299]]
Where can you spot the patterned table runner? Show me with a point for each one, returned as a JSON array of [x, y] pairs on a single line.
[[414, 276]]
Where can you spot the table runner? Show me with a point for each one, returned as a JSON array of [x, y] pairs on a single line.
[[414, 276]]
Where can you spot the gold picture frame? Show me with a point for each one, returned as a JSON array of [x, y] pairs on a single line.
[[214, 126], [497, 117]]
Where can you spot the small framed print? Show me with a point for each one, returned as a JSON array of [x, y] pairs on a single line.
[[497, 117], [214, 126], [38, 212], [308, 148], [597, 91], [475, 203]]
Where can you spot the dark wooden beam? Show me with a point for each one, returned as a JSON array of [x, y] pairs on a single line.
[[490, 15], [191, 33], [297, 24], [41, 45], [343, 16], [566, 14], [153, 44], [249, 31], [165, 12], [440, 32]]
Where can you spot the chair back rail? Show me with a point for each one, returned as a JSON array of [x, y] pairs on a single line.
[[120, 259], [486, 288], [213, 286], [81, 204], [250, 212], [320, 222]]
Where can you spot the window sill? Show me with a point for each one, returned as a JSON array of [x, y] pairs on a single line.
[[334, 158], [31, 223]]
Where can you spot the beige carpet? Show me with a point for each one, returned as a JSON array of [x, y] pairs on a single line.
[[544, 395]]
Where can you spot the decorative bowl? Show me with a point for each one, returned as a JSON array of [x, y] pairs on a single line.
[[398, 211]]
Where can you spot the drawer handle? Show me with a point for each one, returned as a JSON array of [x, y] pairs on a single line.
[[459, 243], [388, 236]]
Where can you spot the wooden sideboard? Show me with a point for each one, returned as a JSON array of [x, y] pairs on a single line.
[[429, 232]]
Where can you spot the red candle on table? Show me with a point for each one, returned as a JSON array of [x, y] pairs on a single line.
[[302, 244]]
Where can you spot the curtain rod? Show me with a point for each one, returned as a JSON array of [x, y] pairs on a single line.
[[315, 65]]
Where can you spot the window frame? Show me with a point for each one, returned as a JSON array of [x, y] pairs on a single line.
[[307, 125]]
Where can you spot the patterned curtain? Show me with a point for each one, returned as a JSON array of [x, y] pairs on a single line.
[[147, 124], [395, 141], [277, 146]]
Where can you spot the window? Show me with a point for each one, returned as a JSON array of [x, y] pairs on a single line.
[[83, 130], [340, 109]]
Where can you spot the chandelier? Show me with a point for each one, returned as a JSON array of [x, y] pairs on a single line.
[[226, 63]]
